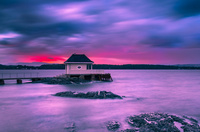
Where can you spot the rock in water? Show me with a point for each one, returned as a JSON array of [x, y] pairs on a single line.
[[113, 125], [53, 80], [70, 126], [89, 95], [129, 130], [160, 122]]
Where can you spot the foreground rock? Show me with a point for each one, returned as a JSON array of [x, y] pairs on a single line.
[[160, 122], [157, 122], [89, 95]]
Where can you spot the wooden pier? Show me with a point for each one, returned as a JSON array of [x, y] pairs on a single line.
[[36, 77], [19, 77], [19, 80]]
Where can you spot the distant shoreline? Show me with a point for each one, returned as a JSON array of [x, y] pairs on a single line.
[[103, 66]]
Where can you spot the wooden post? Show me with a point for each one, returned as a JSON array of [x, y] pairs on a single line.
[[34, 79], [100, 77], [93, 77], [82, 77], [68, 76], [19, 81], [2, 82]]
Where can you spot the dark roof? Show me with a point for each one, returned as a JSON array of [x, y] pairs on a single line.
[[78, 58]]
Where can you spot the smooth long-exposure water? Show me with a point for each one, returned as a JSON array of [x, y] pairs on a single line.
[[30, 107]]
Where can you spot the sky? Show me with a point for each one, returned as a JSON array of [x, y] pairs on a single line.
[[107, 31]]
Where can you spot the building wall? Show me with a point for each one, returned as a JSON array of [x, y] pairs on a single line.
[[67, 68], [75, 66]]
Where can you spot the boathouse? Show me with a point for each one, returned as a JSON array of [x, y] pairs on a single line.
[[80, 64]]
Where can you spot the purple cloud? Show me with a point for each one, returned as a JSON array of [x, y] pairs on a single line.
[[138, 31]]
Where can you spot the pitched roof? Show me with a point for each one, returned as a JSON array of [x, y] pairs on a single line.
[[78, 58]]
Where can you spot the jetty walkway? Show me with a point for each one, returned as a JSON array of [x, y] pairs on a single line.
[[34, 76]]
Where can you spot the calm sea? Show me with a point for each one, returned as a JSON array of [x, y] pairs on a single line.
[[30, 107]]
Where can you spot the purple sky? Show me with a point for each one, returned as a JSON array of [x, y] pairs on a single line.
[[110, 32]]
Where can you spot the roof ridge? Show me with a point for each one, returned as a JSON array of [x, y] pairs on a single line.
[[74, 58]]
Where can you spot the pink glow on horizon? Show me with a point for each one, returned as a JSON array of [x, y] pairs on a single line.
[[48, 59], [45, 59], [61, 60], [100, 58]]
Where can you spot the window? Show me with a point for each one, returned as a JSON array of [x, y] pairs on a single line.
[[79, 67], [89, 66]]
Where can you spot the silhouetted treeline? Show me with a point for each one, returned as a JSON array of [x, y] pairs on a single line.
[[141, 66], [45, 66], [17, 67], [100, 66], [52, 66]]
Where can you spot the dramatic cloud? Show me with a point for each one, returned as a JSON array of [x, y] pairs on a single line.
[[117, 32], [187, 8]]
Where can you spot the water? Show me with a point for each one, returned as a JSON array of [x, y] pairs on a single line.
[[30, 107]]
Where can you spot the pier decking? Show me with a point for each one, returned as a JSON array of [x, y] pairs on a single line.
[[79, 72], [19, 76], [91, 76]]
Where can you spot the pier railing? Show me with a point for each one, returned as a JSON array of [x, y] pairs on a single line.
[[86, 72], [19, 75]]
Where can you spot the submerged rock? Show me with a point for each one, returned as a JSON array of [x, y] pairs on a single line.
[[160, 122], [70, 126], [113, 125], [89, 95], [129, 130]]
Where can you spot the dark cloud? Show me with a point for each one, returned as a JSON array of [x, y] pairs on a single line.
[[57, 29], [165, 8], [29, 3], [186, 8], [163, 41]]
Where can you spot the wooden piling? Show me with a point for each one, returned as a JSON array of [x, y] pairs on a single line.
[[33, 79], [36, 79], [100, 78], [2, 82], [82, 77], [19, 81], [93, 78], [88, 77]]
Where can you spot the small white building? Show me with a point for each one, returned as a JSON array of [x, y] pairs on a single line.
[[80, 64]]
